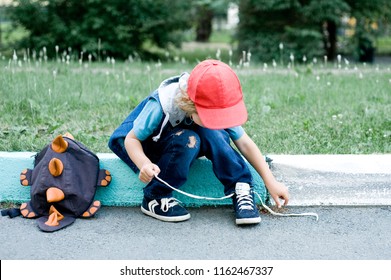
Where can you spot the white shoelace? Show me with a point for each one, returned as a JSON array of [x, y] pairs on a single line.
[[192, 195], [245, 201], [286, 215], [245, 198], [167, 203]]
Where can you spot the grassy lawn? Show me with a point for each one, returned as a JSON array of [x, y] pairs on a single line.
[[309, 110], [384, 46]]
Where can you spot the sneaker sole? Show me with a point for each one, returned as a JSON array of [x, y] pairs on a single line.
[[164, 218], [248, 221]]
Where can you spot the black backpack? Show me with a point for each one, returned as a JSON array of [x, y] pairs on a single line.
[[63, 184]]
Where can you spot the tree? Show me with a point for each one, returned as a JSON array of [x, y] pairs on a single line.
[[2, 19], [327, 15], [304, 25], [368, 14], [205, 11], [118, 27], [265, 25]]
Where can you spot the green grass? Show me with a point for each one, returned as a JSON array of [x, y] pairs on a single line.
[[221, 36], [383, 46], [337, 114], [307, 111]]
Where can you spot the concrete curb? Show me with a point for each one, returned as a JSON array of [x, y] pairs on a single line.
[[313, 180], [125, 188]]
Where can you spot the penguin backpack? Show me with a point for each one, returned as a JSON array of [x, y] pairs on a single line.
[[63, 184]]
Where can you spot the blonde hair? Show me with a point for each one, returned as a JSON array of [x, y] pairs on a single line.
[[182, 99], [184, 102]]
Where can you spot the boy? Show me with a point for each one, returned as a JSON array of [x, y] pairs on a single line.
[[187, 117]]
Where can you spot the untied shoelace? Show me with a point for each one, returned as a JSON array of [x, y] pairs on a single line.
[[241, 196]]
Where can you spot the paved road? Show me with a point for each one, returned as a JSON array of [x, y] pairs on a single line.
[[342, 233]]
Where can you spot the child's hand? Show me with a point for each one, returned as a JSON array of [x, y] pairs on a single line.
[[279, 191], [148, 171]]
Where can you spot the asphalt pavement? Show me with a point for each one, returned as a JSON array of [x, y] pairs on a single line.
[[349, 227], [124, 233]]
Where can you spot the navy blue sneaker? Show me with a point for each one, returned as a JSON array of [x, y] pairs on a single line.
[[245, 209], [165, 209]]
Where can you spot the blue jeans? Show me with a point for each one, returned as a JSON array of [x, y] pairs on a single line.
[[178, 148]]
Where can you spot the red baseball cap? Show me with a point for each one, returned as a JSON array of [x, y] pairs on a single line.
[[217, 94]]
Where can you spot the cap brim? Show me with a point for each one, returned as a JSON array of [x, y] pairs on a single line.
[[223, 118], [62, 224]]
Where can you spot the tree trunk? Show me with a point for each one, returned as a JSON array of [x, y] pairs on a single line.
[[204, 24], [330, 39]]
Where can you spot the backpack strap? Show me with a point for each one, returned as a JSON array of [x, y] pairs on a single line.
[[11, 212]]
